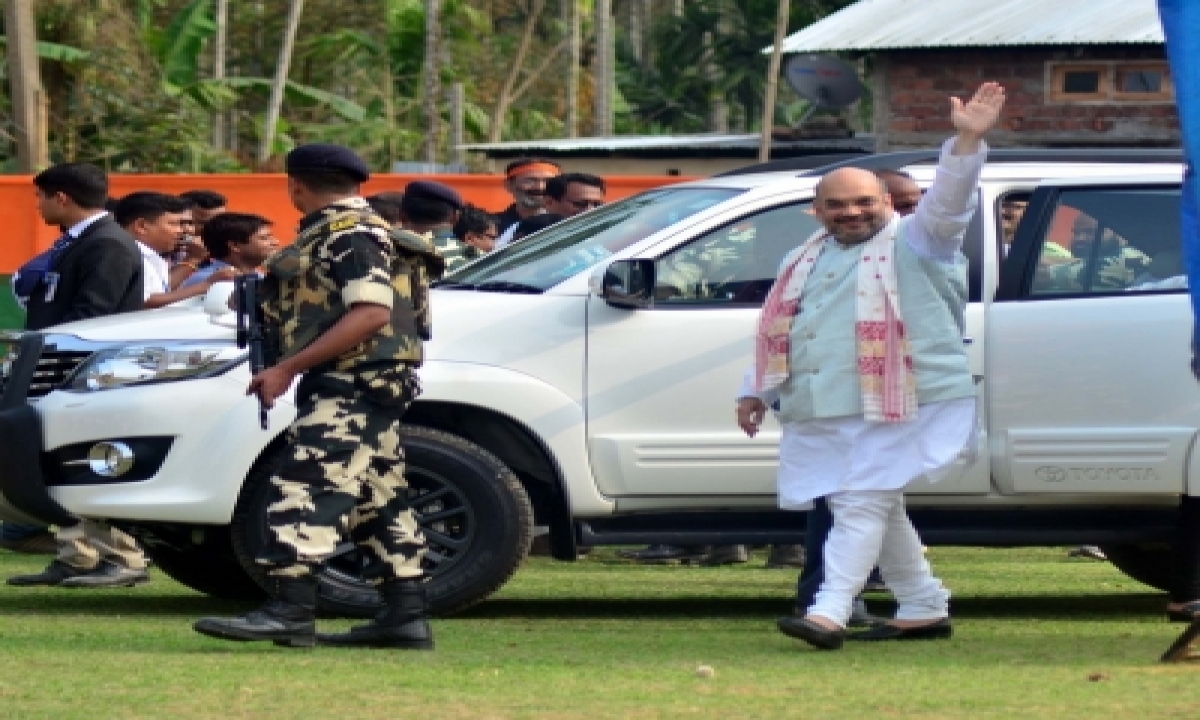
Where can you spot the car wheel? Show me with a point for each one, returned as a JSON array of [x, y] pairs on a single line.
[[210, 566], [473, 510], [1148, 563]]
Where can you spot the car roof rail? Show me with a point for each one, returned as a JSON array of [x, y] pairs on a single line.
[[803, 162], [898, 160]]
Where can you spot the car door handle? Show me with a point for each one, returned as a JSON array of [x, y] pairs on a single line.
[[968, 341]]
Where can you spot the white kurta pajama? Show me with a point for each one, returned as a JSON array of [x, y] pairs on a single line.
[[828, 449]]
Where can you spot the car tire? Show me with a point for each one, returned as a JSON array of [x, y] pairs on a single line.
[[210, 566], [1148, 563], [472, 508]]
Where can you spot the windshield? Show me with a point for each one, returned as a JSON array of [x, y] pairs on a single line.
[[547, 258]]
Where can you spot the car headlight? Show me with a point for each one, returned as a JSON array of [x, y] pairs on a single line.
[[152, 363]]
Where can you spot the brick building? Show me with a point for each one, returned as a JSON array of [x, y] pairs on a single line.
[[1078, 73]]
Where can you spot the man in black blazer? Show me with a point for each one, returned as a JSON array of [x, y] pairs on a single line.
[[93, 269]]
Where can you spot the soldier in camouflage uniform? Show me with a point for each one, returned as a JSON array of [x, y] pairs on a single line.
[[454, 251], [431, 209], [348, 305]]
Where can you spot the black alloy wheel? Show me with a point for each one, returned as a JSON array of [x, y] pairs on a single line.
[[474, 512]]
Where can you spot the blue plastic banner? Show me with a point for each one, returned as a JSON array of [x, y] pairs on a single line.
[[1181, 23]]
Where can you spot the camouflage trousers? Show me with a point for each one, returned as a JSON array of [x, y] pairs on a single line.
[[343, 478]]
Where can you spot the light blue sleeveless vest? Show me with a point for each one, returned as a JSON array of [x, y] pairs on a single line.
[[823, 361]]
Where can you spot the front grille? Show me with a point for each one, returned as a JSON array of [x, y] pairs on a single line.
[[53, 367]]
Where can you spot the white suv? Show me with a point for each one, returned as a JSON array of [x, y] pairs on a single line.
[[584, 379]]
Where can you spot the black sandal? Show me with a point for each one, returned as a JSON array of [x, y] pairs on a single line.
[[1189, 613]]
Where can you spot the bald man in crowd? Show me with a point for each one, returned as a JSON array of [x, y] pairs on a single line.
[[905, 192], [859, 347]]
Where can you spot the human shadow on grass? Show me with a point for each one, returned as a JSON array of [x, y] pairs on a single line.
[[101, 603], [1122, 607]]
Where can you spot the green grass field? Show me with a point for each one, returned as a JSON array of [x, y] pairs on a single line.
[[1038, 636]]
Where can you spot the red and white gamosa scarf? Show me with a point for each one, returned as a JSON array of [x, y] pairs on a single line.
[[885, 365]]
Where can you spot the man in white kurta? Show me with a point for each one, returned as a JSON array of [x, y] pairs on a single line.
[[836, 442]]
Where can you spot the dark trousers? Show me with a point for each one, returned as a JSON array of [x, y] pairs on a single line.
[[13, 532], [820, 522], [1185, 553]]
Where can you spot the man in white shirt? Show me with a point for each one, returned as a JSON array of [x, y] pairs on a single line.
[[860, 349], [158, 222]]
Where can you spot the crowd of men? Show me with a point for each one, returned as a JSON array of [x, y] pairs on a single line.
[[150, 249]]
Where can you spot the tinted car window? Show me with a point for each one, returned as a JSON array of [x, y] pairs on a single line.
[[561, 251], [1107, 241], [735, 264]]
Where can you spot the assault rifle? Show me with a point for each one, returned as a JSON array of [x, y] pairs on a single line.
[[250, 331]]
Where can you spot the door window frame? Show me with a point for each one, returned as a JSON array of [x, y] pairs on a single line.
[[973, 249], [1017, 273], [704, 305]]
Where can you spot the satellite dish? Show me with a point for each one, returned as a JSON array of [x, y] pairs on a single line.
[[823, 80]]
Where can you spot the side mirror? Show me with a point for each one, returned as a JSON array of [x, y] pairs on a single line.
[[629, 284]]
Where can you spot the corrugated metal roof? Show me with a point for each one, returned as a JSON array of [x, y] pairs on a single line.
[[661, 142], [896, 24]]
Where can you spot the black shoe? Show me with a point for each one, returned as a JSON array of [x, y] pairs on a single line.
[[940, 630], [726, 555], [861, 617], [107, 575], [290, 620], [810, 632], [786, 556], [1089, 552], [1189, 613], [401, 624], [54, 574]]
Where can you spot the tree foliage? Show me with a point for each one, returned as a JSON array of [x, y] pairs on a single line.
[[130, 84]]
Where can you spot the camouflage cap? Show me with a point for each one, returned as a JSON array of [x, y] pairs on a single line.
[[325, 157]]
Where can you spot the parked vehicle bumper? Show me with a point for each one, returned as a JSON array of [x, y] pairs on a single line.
[[195, 440]]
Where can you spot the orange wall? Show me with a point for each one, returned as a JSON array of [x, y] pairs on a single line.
[[25, 235]]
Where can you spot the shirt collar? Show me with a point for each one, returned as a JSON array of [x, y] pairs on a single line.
[[150, 253], [77, 229], [354, 203]]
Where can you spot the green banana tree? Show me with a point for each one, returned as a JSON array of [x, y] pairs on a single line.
[[179, 48]]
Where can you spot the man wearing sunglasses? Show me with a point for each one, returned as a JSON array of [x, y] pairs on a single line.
[[572, 193], [567, 195]]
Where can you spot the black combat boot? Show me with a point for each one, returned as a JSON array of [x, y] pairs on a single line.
[[401, 623], [289, 620]]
